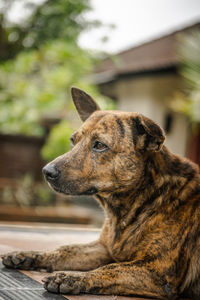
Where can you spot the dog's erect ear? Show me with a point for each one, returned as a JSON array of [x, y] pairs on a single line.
[[147, 135], [84, 103]]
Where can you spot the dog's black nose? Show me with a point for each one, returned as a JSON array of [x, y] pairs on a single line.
[[51, 172]]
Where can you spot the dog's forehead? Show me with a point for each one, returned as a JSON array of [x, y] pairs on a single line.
[[105, 119], [111, 117]]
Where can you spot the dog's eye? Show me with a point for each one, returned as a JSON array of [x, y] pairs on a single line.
[[72, 141], [99, 147]]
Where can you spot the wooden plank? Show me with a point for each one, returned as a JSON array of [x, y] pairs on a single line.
[[66, 214]]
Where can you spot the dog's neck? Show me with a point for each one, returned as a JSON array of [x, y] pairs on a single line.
[[163, 172]]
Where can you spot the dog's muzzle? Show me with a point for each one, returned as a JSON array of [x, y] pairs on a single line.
[[54, 177]]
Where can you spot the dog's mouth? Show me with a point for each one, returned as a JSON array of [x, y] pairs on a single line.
[[69, 189], [55, 187], [90, 191]]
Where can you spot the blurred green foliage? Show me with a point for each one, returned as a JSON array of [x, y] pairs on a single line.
[[36, 83], [58, 141], [188, 100], [8, 49], [56, 20], [51, 20]]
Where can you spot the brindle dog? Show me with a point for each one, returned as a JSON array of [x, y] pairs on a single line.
[[150, 242]]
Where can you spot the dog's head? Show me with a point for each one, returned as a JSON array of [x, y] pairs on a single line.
[[108, 151]]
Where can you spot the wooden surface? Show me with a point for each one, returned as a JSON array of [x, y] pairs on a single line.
[[45, 237], [64, 214]]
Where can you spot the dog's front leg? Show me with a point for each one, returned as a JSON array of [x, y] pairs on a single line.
[[82, 257], [113, 279]]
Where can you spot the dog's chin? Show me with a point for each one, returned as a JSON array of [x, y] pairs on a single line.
[[89, 192], [56, 188]]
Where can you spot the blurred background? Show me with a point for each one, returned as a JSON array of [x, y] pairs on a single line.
[[131, 55]]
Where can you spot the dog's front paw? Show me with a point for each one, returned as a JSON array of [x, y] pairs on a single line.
[[20, 260], [65, 283]]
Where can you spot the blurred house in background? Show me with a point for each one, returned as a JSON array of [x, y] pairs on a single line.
[[37, 116], [144, 79]]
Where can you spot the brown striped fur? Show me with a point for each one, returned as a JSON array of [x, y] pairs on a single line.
[[150, 242]]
